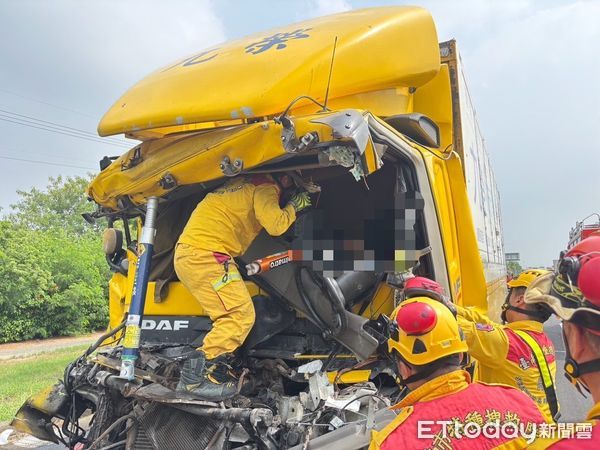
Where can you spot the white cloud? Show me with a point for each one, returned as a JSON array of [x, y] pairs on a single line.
[[83, 56], [98, 48]]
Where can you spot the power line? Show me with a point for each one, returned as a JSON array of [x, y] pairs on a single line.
[[47, 124], [57, 125], [48, 104], [65, 132], [49, 163], [41, 126], [53, 154]]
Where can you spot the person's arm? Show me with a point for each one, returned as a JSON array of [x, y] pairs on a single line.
[[274, 219], [473, 315], [488, 343]]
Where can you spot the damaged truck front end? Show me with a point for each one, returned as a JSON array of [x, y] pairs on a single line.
[[311, 356], [381, 154]]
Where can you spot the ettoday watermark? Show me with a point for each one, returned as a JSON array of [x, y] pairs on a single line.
[[446, 429]]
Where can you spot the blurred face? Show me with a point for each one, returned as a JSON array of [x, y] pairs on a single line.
[[576, 341], [404, 370], [567, 331], [516, 299], [581, 350], [285, 181]]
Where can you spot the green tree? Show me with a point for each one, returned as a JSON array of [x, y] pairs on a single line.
[[514, 267], [25, 283], [60, 206], [52, 265]]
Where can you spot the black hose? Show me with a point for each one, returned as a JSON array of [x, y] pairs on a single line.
[[70, 418], [336, 350], [307, 301], [368, 294], [361, 311], [126, 229], [78, 433], [88, 352], [338, 307], [112, 426], [102, 338], [339, 346], [113, 265]]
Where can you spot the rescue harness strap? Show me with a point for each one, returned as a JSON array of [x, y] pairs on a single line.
[[542, 364], [537, 315]]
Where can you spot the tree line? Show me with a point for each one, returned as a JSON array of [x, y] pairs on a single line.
[[52, 269]]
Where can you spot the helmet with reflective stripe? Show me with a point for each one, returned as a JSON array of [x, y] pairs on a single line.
[[524, 280], [526, 277], [425, 330]]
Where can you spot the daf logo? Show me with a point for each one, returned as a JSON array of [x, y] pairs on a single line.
[[165, 325]]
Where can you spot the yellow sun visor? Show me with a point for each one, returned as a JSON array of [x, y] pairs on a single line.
[[377, 49]]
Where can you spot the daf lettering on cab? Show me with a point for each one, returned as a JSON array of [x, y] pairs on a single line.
[[176, 325]]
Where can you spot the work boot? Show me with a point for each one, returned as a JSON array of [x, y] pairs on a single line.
[[206, 379]]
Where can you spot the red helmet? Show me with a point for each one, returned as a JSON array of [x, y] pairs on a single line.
[[423, 287], [426, 331], [573, 293], [580, 267]]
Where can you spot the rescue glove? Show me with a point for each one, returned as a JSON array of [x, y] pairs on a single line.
[[300, 201]]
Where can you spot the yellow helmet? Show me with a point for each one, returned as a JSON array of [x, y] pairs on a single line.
[[526, 277], [425, 330]]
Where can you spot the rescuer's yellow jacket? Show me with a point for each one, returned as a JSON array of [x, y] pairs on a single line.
[[504, 357], [436, 414], [228, 219]]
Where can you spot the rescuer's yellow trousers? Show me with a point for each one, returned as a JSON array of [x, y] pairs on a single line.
[[223, 297]]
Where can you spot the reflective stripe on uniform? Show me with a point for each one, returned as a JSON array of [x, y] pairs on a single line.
[[544, 371], [227, 278], [539, 356]]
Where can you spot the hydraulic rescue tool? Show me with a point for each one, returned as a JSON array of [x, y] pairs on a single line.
[[271, 262], [131, 341]]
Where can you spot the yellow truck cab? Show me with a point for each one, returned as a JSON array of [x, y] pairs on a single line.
[[369, 107]]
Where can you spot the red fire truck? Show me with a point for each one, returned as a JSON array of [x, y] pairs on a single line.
[[583, 229]]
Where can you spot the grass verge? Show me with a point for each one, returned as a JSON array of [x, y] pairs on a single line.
[[21, 378]]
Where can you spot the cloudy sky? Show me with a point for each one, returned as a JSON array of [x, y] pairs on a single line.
[[532, 66]]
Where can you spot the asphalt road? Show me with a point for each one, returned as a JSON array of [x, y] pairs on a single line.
[[26, 349]]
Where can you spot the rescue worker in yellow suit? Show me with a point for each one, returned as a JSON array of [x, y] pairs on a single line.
[[443, 408], [519, 353], [222, 227]]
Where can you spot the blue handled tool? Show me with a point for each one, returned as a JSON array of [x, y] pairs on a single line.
[[131, 340]]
